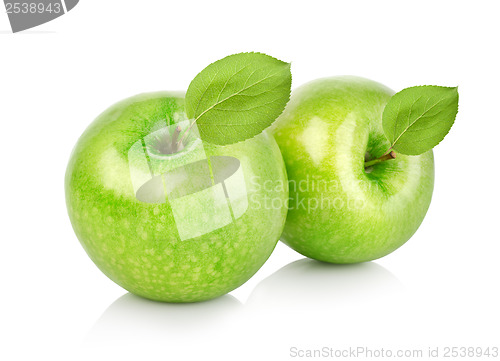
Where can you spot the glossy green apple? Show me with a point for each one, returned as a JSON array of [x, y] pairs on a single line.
[[338, 211], [177, 226]]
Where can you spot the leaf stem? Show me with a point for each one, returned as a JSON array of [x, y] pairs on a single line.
[[386, 156]]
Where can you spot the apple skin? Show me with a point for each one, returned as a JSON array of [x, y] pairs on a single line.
[[338, 212], [137, 244]]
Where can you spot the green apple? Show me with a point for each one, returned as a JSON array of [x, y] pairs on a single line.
[[340, 212], [169, 220]]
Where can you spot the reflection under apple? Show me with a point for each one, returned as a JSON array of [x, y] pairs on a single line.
[[135, 319], [303, 285], [306, 282]]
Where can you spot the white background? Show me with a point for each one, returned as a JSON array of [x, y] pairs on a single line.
[[441, 289]]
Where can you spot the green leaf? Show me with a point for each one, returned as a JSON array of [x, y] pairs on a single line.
[[416, 119], [239, 96]]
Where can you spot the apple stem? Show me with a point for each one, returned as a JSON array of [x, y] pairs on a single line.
[[387, 156], [186, 133], [175, 136]]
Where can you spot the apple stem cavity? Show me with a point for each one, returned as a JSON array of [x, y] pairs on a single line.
[[386, 156]]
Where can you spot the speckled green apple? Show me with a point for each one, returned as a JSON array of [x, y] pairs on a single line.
[[137, 243], [341, 212]]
